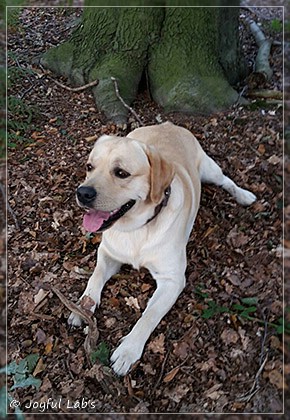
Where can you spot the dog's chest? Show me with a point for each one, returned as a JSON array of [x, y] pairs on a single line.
[[130, 248]]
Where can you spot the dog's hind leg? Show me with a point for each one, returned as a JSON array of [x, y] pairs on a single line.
[[211, 173]]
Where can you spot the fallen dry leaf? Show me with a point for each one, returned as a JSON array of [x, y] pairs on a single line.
[[178, 393], [171, 375], [274, 160], [49, 345], [276, 378], [132, 302], [157, 345], [40, 367], [229, 336], [237, 238], [40, 295]]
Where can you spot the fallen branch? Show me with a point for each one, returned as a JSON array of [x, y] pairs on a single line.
[[76, 89], [262, 70], [9, 207], [93, 333], [266, 94], [124, 103]]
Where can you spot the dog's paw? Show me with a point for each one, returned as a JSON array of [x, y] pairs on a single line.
[[245, 197], [74, 320], [124, 356]]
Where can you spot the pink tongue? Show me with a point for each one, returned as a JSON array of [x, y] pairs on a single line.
[[94, 219]]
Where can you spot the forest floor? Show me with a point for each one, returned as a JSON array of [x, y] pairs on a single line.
[[220, 348]]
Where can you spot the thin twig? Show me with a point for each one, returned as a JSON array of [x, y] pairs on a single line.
[[256, 386], [162, 371], [76, 89], [124, 103], [93, 333], [8, 206]]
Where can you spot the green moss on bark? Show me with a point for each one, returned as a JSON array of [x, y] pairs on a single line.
[[59, 59], [179, 48], [184, 71]]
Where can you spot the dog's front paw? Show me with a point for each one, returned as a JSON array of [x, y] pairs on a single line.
[[245, 197], [74, 320], [124, 356]]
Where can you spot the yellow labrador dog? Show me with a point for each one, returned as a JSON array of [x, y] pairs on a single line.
[[143, 192]]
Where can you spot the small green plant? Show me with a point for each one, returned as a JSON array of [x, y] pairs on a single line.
[[247, 307], [101, 354], [20, 118], [213, 309], [276, 25], [16, 73], [20, 114], [22, 372], [13, 13]]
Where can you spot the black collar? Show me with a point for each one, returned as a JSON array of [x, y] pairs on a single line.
[[163, 203]]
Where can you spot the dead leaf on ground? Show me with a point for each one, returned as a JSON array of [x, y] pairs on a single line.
[[157, 345], [171, 375], [229, 336]]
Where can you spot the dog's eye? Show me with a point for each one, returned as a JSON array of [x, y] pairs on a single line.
[[89, 167], [120, 173]]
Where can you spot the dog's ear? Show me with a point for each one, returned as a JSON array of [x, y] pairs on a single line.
[[161, 174]]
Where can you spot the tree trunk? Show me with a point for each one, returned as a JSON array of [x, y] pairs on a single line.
[[191, 56]]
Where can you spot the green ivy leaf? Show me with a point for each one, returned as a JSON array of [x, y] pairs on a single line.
[[11, 369], [101, 353], [238, 307], [3, 402], [26, 382], [250, 300], [31, 361]]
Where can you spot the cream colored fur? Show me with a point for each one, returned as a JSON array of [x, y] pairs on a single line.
[[155, 156]]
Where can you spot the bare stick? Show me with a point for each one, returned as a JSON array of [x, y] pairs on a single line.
[[263, 359], [93, 333], [9, 207], [262, 65], [162, 371], [124, 103], [267, 94], [76, 89]]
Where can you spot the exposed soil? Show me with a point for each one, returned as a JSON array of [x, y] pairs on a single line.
[[206, 355]]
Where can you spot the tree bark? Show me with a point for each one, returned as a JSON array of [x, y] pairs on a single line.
[[191, 56]]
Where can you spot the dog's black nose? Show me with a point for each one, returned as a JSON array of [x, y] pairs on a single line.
[[86, 195]]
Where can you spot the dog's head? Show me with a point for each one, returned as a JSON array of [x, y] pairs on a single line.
[[125, 180]]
